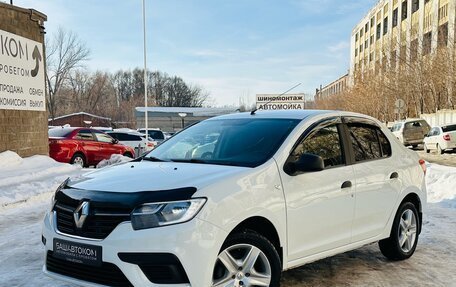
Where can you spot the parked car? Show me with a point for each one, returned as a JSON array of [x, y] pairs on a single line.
[[156, 134], [411, 131], [84, 146], [441, 139], [272, 191], [138, 141]]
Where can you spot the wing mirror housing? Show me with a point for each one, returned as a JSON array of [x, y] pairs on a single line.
[[115, 141], [306, 163]]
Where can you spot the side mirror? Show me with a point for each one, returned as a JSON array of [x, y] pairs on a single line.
[[306, 163], [115, 141]]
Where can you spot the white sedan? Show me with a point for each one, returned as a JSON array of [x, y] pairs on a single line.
[[441, 139]]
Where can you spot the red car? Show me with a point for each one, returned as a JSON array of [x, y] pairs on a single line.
[[84, 146]]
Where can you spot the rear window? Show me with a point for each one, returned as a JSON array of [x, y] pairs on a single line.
[[59, 132], [450, 128]]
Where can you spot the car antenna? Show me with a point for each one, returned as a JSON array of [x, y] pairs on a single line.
[[256, 109]]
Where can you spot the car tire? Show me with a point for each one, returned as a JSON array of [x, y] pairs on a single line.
[[238, 246], [426, 150], [439, 149], [404, 234], [78, 159], [128, 154]]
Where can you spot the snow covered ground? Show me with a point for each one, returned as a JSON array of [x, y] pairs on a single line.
[[26, 186]]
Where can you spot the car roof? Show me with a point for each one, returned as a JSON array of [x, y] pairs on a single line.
[[290, 114]]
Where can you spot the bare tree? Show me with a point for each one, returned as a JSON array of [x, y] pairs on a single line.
[[65, 53]]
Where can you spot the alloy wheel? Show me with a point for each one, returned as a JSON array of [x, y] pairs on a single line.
[[407, 230], [242, 265], [78, 161]]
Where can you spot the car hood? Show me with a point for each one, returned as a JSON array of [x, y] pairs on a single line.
[[149, 176]]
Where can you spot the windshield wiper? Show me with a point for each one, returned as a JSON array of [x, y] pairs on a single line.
[[191, 160], [152, 158]]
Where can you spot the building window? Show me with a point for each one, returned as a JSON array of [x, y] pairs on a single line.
[[427, 40], [371, 57], [372, 40], [356, 52], [366, 27], [356, 37], [404, 10], [414, 50], [372, 22], [361, 32], [379, 31], [415, 5], [395, 17], [361, 48], [366, 44], [385, 25], [443, 35]]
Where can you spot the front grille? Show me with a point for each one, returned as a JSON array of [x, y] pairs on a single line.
[[98, 225], [108, 274]]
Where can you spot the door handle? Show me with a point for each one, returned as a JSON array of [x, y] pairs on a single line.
[[394, 175], [346, 184]]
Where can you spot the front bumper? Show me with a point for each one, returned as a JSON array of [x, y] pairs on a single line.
[[196, 244]]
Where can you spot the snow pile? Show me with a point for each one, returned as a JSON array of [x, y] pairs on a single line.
[[441, 184], [9, 159], [23, 178], [115, 158]]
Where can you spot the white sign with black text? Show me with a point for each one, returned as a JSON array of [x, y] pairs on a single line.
[[280, 102], [22, 85]]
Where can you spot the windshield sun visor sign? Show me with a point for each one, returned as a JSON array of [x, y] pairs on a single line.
[[22, 82]]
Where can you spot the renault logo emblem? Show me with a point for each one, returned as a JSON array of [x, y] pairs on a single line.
[[81, 213]]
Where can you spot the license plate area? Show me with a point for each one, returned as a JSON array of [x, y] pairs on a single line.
[[77, 252]]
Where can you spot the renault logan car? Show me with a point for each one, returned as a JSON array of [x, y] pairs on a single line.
[[275, 191]]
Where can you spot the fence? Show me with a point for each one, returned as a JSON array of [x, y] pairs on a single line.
[[442, 117]]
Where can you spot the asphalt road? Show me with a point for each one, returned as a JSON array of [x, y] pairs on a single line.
[[448, 158]]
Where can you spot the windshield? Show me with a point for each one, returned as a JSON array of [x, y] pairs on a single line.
[[239, 142]]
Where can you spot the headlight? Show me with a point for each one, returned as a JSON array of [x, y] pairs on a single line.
[[165, 213]]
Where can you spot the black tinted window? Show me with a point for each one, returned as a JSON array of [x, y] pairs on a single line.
[[365, 142], [59, 132], [450, 128], [85, 135], [324, 142], [384, 144]]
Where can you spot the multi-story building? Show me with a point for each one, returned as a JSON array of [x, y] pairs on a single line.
[[334, 88], [401, 30]]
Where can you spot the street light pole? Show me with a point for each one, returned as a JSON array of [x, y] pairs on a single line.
[[146, 119], [182, 116]]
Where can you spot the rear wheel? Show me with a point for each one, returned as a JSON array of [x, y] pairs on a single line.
[[439, 149], [426, 150], [247, 259], [404, 234], [78, 159]]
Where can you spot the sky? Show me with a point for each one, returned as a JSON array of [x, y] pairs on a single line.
[[233, 49]]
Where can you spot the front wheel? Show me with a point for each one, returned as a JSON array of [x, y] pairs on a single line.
[[404, 234], [247, 259]]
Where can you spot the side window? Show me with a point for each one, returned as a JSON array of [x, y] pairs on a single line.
[[384, 144], [132, 138], [324, 142], [365, 142], [437, 131], [103, 138], [85, 135]]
